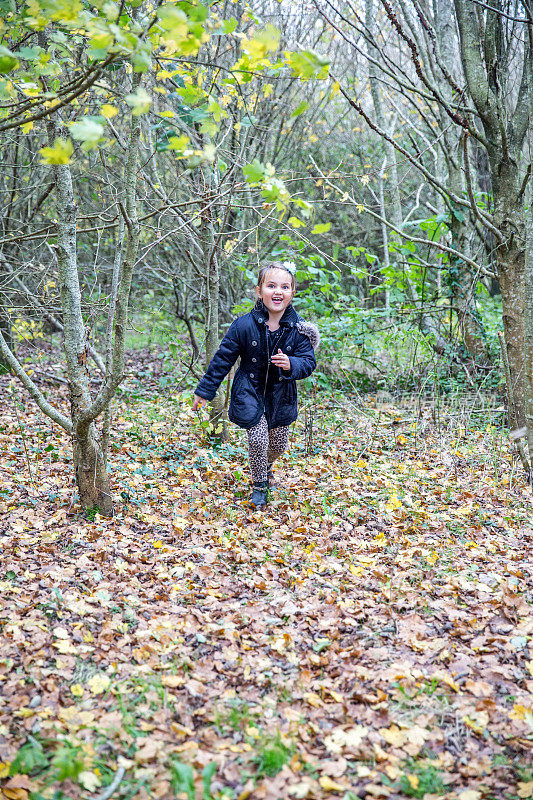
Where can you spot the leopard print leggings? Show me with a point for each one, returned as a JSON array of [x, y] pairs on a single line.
[[264, 446]]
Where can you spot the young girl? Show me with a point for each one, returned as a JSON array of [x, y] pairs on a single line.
[[276, 349]]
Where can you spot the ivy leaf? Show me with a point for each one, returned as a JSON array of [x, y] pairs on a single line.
[[139, 101], [60, 153], [307, 64]]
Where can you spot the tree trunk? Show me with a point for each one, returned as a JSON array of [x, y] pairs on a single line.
[[461, 279], [217, 407], [5, 330], [91, 472], [528, 318], [511, 272]]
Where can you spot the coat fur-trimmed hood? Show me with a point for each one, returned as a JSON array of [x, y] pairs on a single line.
[[310, 330]]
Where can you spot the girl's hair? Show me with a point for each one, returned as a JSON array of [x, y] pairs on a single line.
[[261, 277]]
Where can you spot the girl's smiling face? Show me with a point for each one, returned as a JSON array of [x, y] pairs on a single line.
[[276, 291]]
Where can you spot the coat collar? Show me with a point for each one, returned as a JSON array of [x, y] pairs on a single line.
[[260, 313]]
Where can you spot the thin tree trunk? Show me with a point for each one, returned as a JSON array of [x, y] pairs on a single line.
[[426, 323], [88, 459], [217, 409], [5, 330], [528, 316]]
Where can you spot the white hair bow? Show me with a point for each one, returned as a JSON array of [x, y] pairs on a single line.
[[290, 266]]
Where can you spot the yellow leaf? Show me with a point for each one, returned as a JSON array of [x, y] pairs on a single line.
[[108, 111], [4, 769], [525, 790], [414, 781], [313, 699], [172, 681], [89, 780], [340, 738], [60, 153], [519, 711], [64, 647], [26, 128], [394, 736], [77, 690], [98, 683], [329, 785], [470, 794], [158, 545], [393, 503], [529, 666]]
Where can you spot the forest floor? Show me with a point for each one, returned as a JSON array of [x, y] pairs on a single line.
[[368, 636]]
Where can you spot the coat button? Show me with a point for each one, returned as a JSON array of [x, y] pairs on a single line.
[[288, 347], [281, 377], [260, 319], [252, 375], [254, 360], [254, 344]]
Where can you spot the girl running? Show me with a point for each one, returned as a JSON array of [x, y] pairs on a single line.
[[277, 349]]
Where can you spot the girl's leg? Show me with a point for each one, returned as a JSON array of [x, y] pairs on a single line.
[[277, 444], [257, 449]]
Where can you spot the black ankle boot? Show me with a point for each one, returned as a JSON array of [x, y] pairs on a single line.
[[259, 496]]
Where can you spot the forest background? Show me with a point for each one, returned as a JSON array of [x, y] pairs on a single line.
[[153, 155]]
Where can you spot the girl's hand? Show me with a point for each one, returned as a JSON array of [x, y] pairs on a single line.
[[198, 402], [281, 360]]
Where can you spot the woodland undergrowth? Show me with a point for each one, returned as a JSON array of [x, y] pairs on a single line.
[[368, 636]]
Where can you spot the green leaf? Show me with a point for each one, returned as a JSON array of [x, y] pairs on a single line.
[[29, 758], [87, 131], [208, 774], [307, 64], [178, 143], [174, 22], [140, 101], [183, 779], [141, 59], [304, 105], [8, 61], [254, 172], [322, 227], [295, 222], [190, 94], [209, 126], [58, 154], [229, 25]]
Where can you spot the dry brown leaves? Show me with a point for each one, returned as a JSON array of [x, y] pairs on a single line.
[[368, 636]]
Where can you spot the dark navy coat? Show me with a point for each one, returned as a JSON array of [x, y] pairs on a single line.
[[259, 387]]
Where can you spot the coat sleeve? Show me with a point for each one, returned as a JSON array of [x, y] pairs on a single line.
[[221, 363], [302, 360]]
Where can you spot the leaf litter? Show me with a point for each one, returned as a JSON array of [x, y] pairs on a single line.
[[369, 636]]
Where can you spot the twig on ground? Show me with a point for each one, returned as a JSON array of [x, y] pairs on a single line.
[[113, 786]]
